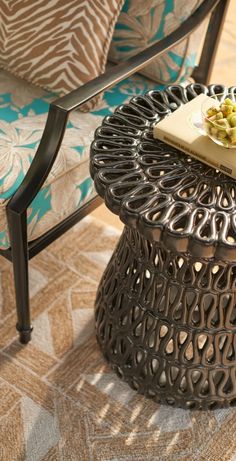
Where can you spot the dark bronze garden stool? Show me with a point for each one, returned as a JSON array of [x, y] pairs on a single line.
[[166, 304]]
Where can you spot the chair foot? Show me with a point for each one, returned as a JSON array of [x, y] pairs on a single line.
[[24, 335]]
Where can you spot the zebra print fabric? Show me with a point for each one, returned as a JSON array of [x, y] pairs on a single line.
[[56, 44]]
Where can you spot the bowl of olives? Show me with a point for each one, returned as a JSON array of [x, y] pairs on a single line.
[[219, 119]]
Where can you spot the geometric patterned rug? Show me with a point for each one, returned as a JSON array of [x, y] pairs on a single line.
[[59, 400]]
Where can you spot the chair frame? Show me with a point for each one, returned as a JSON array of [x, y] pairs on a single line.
[[21, 251]]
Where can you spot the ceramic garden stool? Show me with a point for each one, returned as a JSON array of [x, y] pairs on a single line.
[[166, 304]]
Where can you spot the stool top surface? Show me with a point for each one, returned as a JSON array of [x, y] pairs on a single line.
[[163, 193]]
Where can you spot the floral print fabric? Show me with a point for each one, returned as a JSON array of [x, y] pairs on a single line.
[[23, 113], [142, 23]]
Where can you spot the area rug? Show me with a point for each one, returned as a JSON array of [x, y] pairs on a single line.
[[59, 400]]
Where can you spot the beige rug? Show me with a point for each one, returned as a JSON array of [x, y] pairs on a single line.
[[58, 398]]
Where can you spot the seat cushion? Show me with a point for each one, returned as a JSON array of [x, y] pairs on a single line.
[[23, 112]]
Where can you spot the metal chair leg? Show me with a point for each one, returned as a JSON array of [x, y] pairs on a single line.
[[19, 247]]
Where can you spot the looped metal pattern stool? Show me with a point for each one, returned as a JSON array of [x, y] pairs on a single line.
[[165, 307]]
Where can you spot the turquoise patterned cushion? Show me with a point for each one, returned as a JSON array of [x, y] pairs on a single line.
[[144, 22], [23, 112]]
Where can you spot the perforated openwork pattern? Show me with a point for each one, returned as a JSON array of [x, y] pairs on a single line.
[[165, 308], [156, 188]]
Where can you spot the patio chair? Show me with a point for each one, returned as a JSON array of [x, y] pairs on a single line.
[[29, 193]]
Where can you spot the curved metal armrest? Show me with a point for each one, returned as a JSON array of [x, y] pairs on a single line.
[[59, 110]]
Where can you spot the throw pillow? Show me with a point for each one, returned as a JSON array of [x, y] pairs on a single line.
[[142, 23], [56, 44]]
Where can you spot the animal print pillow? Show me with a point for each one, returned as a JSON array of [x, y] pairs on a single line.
[[56, 44]]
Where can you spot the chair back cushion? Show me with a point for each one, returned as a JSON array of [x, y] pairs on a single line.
[[57, 44], [142, 23]]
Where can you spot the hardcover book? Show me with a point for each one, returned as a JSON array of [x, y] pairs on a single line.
[[182, 129]]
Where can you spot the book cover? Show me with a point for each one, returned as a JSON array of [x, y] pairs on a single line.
[[179, 130]]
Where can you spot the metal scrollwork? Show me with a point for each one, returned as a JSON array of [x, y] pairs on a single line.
[[124, 155], [165, 308]]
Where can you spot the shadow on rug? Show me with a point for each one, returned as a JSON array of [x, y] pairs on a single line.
[[59, 400]]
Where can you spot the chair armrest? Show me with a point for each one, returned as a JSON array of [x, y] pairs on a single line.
[[59, 110]]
